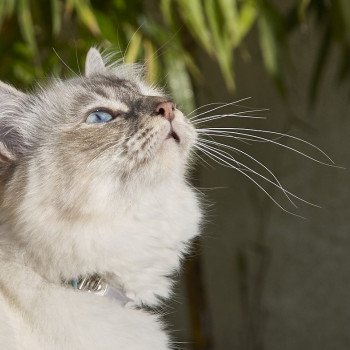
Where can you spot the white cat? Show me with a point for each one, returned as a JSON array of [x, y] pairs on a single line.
[[94, 200]]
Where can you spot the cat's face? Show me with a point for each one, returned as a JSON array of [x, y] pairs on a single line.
[[113, 124], [110, 124], [98, 167]]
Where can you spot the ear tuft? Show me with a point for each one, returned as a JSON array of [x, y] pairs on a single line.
[[11, 111], [94, 63]]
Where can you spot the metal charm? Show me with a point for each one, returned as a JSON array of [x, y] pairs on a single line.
[[92, 284]]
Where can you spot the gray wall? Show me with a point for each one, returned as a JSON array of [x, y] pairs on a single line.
[[274, 281]]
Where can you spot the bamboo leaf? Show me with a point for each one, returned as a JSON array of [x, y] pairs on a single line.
[[342, 14], [166, 9], [179, 82], [150, 62], [193, 15], [268, 46], [322, 57], [26, 25], [108, 27], [56, 16], [2, 13], [230, 16], [191, 65], [211, 12], [7, 8], [134, 47], [271, 38], [10, 7], [245, 21], [86, 15], [302, 8], [222, 43]]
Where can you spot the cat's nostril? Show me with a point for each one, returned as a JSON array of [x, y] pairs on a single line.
[[166, 110]]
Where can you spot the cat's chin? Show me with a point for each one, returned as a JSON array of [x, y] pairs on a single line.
[[168, 158], [179, 136]]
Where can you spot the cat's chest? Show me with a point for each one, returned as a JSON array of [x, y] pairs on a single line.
[[75, 320]]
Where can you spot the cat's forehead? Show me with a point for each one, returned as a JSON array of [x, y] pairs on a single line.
[[112, 88], [109, 86]]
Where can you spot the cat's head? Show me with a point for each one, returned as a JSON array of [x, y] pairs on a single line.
[[88, 165], [108, 120]]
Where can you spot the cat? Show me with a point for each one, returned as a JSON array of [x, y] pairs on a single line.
[[93, 200]]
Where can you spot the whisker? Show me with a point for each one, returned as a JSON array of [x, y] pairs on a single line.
[[247, 138], [206, 105], [132, 37], [203, 160], [241, 139], [222, 106], [228, 155], [276, 184], [155, 54], [76, 57], [226, 132], [236, 114], [256, 161], [223, 162], [64, 63]]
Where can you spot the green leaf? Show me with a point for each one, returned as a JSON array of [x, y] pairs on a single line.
[[2, 12], [151, 61], [193, 15], [223, 44], [7, 8], [229, 13], [166, 9], [86, 15], [342, 17], [179, 82], [302, 8], [56, 16], [245, 21], [321, 60], [26, 25], [272, 41], [212, 14], [108, 27], [134, 46], [191, 64]]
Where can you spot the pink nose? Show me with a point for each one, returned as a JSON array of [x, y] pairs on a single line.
[[166, 110]]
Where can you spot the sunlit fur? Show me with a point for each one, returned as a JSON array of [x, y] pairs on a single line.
[[78, 199]]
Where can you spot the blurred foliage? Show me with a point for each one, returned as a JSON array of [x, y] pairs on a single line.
[[36, 37]]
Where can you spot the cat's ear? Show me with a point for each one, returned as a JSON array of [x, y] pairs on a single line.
[[94, 63], [11, 101]]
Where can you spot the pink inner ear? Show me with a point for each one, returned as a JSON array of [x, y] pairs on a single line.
[[3, 159], [5, 155], [94, 63]]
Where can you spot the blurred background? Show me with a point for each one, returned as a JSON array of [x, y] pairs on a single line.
[[258, 278]]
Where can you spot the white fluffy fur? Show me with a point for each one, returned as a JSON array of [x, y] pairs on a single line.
[[132, 231]]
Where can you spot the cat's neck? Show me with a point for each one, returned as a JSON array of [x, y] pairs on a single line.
[[158, 223]]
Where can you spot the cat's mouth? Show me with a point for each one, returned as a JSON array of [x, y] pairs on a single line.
[[173, 135]]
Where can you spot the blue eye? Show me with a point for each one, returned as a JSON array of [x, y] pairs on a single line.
[[99, 117]]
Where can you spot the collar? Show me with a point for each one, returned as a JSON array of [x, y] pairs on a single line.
[[95, 284]]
